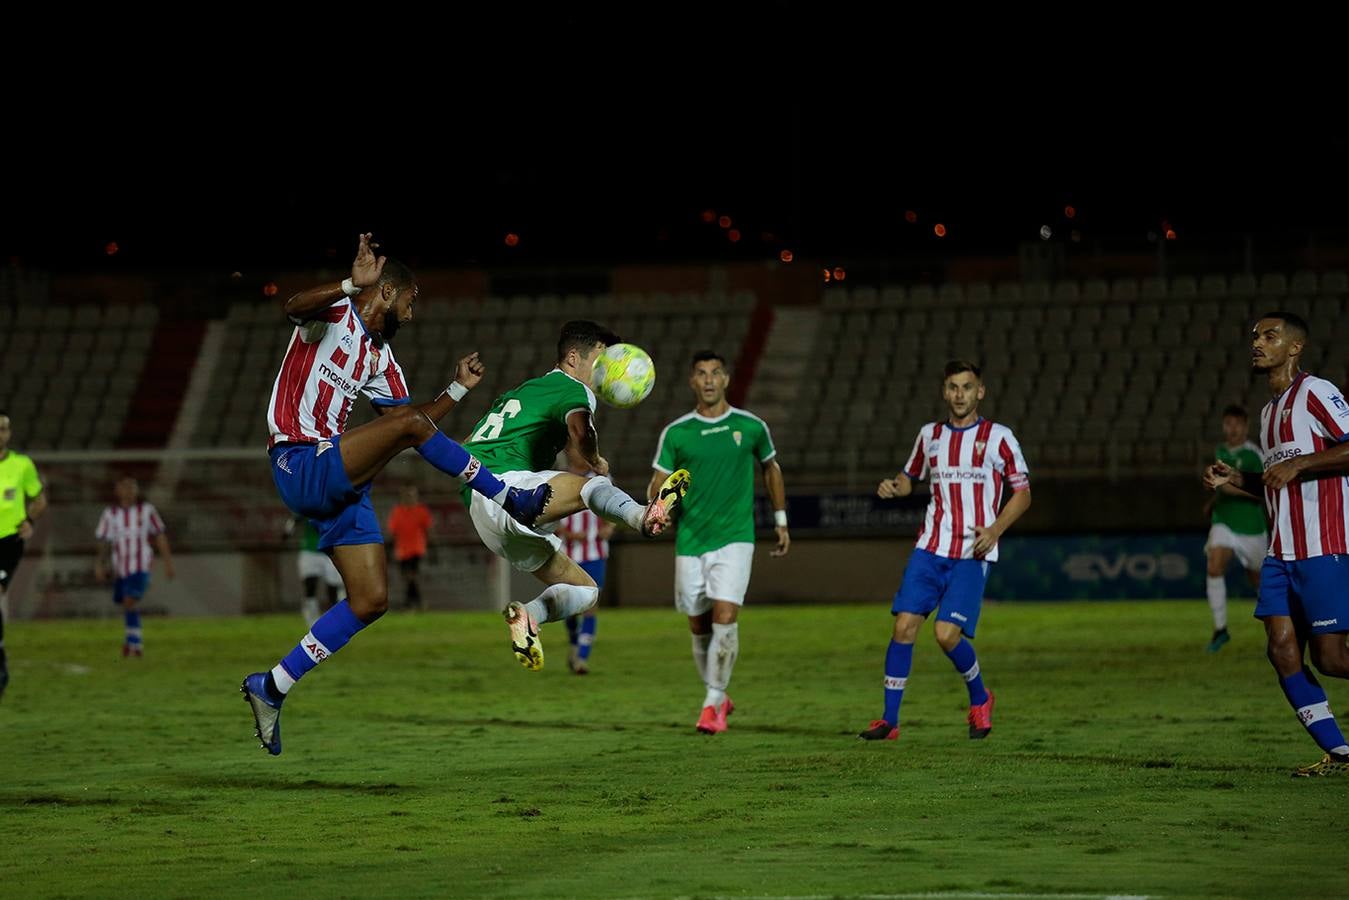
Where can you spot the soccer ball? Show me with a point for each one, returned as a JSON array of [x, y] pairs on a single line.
[[624, 375]]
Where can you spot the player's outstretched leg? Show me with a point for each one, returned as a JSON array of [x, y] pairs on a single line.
[[572, 493], [367, 449], [363, 571]]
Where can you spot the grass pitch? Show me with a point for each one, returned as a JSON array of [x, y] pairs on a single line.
[[424, 762]]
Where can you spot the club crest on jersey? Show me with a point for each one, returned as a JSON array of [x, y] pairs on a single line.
[[1287, 414], [10, 494], [979, 446], [346, 340], [736, 435]]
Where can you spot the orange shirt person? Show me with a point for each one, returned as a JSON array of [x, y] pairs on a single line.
[[409, 522]]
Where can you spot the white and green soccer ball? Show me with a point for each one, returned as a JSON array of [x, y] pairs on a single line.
[[624, 375]]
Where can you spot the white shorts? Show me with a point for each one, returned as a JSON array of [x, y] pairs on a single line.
[[1250, 549], [319, 565], [527, 549], [722, 574]]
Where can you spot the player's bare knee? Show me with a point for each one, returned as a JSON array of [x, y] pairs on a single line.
[[906, 629], [370, 605], [417, 424], [1332, 660], [947, 637]]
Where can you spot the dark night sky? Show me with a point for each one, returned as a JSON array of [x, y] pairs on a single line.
[[589, 183]]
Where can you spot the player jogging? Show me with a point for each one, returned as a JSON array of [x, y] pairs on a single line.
[[968, 459], [1303, 601]]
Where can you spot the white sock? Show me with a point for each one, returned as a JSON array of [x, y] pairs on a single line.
[[700, 642], [721, 654], [282, 678], [1217, 601], [611, 504], [309, 610], [560, 601]]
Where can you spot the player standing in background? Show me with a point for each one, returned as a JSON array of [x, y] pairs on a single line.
[[714, 543], [124, 533], [585, 539], [1303, 600], [339, 348], [520, 437], [409, 522], [968, 459], [1237, 523], [313, 566], [22, 502]]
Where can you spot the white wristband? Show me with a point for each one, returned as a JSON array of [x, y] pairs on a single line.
[[349, 287], [456, 391], [780, 518]]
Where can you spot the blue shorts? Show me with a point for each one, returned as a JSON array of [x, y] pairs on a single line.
[[1314, 591], [133, 586], [954, 585], [595, 569], [312, 483]]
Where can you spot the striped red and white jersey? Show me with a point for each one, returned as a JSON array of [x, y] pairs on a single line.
[[967, 467], [1307, 517], [129, 529], [331, 358], [592, 547]]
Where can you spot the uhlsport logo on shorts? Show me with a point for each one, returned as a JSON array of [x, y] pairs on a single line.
[[1321, 623]]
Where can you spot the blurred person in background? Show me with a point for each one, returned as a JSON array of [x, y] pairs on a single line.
[[22, 503], [409, 523], [124, 533]]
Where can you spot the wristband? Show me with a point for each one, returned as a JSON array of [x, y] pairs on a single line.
[[780, 518], [456, 391], [349, 287]]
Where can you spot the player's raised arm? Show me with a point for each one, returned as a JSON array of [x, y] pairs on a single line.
[[365, 271], [467, 374]]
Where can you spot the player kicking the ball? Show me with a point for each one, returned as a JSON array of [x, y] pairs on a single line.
[[339, 349], [520, 437]]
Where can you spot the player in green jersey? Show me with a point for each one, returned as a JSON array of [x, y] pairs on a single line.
[[714, 545], [519, 440], [1237, 523]]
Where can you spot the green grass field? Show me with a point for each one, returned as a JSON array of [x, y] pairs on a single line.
[[424, 762]]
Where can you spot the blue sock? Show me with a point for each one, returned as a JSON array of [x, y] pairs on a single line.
[[587, 637], [573, 629], [962, 656], [898, 662], [133, 627], [330, 633], [1309, 700], [452, 459]]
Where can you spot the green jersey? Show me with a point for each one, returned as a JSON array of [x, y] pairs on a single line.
[[309, 537], [18, 484], [720, 454], [1241, 515], [526, 427]]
